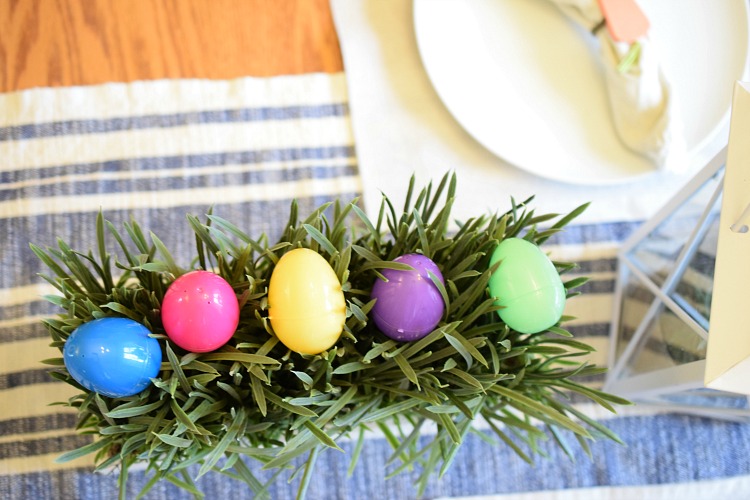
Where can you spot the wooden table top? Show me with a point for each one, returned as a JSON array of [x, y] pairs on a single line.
[[50, 43]]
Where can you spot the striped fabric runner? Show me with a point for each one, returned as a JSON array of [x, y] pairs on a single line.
[[154, 151], [158, 150]]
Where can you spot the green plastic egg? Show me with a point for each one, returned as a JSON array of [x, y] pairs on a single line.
[[527, 286]]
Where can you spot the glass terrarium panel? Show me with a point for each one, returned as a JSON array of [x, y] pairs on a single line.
[[708, 398], [695, 288], [656, 255], [667, 342], [636, 299]]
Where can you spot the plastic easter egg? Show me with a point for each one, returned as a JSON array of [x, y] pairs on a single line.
[[306, 304], [409, 305], [200, 311], [112, 356], [527, 285]]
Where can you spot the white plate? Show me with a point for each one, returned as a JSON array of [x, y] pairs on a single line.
[[524, 81]]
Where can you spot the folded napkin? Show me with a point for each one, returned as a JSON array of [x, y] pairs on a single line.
[[643, 110]]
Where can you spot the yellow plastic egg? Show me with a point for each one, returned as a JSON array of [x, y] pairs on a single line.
[[306, 305]]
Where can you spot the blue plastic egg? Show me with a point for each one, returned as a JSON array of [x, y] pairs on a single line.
[[114, 357]]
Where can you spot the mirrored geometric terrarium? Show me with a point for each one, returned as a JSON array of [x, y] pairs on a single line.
[[663, 296]]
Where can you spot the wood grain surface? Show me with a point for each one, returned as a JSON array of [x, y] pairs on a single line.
[[83, 42]]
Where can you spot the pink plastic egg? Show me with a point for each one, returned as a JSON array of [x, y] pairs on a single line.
[[200, 311]]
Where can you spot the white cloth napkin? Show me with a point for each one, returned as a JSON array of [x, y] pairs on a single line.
[[402, 127], [643, 109]]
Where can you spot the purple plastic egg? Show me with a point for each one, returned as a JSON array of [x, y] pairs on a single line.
[[409, 305]]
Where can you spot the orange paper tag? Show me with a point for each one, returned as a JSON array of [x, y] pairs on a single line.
[[625, 20]]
